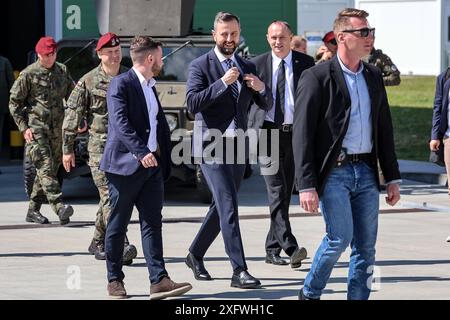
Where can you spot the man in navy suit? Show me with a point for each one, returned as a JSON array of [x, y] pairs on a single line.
[[220, 88], [136, 161], [280, 68]]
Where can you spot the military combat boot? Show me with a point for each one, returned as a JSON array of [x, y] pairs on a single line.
[[64, 213], [100, 251], [129, 252], [35, 216]]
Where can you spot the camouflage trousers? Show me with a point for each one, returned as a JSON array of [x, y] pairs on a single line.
[[103, 211], [46, 156]]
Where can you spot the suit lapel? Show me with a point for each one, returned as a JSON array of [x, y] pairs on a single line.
[[338, 76], [296, 68], [140, 93], [373, 88], [215, 64]]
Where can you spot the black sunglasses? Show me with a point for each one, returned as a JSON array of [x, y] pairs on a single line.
[[363, 32], [333, 42]]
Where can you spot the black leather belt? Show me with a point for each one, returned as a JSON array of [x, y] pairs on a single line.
[[286, 127], [282, 128], [352, 158]]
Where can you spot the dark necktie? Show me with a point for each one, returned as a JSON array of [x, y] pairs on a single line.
[[279, 100], [235, 92]]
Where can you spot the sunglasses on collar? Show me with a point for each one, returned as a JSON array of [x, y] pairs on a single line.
[[363, 32]]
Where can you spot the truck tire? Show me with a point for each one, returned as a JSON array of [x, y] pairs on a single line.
[[202, 187]]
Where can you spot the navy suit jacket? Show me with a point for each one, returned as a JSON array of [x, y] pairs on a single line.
[[129, 128], [212, 102], [440, 108], [263, 62]]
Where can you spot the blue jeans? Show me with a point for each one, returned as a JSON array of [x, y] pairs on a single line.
[[349, 205]]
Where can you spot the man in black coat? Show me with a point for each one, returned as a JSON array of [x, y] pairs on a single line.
[[342, 126], [280, 69]]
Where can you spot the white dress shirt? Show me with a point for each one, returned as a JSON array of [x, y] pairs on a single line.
[[288, 107], [152, 107]]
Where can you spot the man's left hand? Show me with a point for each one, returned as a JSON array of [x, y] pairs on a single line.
[[393, 193], [254, 82]]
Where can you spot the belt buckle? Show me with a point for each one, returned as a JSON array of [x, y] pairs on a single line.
[[286, 128]]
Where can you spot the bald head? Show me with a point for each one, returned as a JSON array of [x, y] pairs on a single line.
[[279, 35]]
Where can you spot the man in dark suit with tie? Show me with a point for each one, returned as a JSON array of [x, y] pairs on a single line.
[[220, 89], [342, 126], [280, 69], [136, 161]]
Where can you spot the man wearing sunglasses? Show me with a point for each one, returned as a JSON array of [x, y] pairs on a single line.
[[342, 126]]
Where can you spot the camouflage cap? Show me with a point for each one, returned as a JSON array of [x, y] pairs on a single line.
[[45, 45], [108, 40]]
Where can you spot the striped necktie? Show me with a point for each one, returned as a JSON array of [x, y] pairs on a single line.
[[235, 92], [279, 100]]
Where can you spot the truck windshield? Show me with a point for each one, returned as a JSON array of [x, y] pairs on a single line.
[[175, 67]]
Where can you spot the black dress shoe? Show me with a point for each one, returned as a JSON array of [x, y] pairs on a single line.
[[297, 257], [35, 216], [244, 280], [200, 273], [275, 259]]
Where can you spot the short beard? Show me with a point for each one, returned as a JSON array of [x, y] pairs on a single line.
[[156, 70], [226, 51]]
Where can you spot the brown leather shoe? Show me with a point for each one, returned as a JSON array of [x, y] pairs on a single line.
[[116, 290], [167, 288]]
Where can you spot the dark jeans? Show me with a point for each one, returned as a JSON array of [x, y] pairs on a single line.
[[145, 190]]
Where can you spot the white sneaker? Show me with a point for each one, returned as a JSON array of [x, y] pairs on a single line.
[[448, 239]]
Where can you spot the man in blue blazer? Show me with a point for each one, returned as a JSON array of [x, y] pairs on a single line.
[[136, 161], [220, 88]]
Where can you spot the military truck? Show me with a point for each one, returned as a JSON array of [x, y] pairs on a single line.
[[172, 27]]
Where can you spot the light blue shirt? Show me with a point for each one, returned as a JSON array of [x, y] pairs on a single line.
[[358, 138]]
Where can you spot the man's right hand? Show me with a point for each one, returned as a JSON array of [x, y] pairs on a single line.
[[28, 135], [68, 161], [434, 145], [309, 201], [231, 75], [149, 161]]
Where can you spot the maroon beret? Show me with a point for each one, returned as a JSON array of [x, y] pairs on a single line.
[[45, 45], [108, 40], [328, 37]]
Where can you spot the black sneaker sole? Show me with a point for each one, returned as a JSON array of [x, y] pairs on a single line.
[[27, 219]]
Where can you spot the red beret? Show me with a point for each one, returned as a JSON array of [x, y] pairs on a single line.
[[107, 40], [45, 45], [328, 37]]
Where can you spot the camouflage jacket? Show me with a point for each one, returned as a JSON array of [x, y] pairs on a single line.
[[391, 75], [88, 100], [36, 99]]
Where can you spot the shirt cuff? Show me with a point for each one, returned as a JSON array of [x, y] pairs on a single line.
[[306, 190], [394, 181]]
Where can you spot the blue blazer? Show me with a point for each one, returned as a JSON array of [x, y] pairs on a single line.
[[212, 102], [440, 108], [129, 128]]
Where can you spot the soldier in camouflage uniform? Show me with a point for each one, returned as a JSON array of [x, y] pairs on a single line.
[[36, 105], [88, 99], [391, 75]]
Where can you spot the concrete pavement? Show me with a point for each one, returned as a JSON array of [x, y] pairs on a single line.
[[51, 262]]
